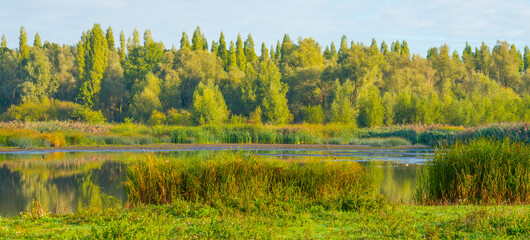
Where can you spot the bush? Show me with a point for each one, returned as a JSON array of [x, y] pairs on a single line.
[[88, 115], [156, 118]]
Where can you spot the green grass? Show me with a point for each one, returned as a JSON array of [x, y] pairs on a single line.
[[58, 134], [248, 183], [481, 171], [183, 220]]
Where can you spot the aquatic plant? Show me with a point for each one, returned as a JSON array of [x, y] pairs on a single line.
[[478, 171], [248, 183]]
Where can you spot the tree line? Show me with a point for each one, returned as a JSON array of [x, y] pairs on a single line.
[[292, 82]]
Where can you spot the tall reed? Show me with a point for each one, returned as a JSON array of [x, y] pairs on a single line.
[[250, 183], [481, 171]]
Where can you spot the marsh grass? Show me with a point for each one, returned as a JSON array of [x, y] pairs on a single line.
[[248, 183], [481, 171]]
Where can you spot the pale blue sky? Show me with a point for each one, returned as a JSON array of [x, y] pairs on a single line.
[[422, 23]]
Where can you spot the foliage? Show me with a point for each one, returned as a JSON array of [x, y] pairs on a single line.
[[360, 84]]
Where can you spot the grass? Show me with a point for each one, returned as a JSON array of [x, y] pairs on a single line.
[[481, 171], [59, 134], [246, 183], [184, 220]]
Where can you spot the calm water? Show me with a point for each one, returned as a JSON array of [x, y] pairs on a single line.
[[66, 181]]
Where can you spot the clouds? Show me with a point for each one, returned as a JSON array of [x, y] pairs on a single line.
[[422, 23]]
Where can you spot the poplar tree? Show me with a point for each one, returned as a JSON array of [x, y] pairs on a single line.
[[221, 50], [405, 49], [96, 63], [384, 48], [278, 52], [184, 41], [327, 53], [250, 52], [80, 60], [148, 38], [232, 58], [483, 59], [196, 41], [396, 47], [110, 38], [468, 58], [4, 42], [121, 51], [37, 42], [136, 39], [214, 48], [204, 42], [264, 53], [240, 54], [23, 47], [273, 54], [333, 50], [343, 48], [526, 58]]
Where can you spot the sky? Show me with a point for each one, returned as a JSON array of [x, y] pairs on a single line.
[[422, 23]]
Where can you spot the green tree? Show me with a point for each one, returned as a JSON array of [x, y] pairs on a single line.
[[80, 60], [209, 106], [110, 39], [526, 58], [278, 51], [250, 52], [113, 95], [222, 52], [343, 48], [342, 110], [274, 104], [95, 65], [23, 47], [37, 42], [215, 47], [371, 109], [405, 49], [121, 51], [468, 58], [197, 40], [147, 100], [384, 48], [4, 42], [314, 114], [505, 65], [240, 54], [135, 40], [184, 41], [264, 53], [232, 57], [483, 59], [39, 84]]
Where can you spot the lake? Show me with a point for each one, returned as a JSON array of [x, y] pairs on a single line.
[[66, 180]]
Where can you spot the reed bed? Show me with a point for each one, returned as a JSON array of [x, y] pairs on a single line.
[[248, 183], [478, 171], [57, 133]]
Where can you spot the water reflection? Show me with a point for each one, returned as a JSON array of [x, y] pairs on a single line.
[[67, 181]]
